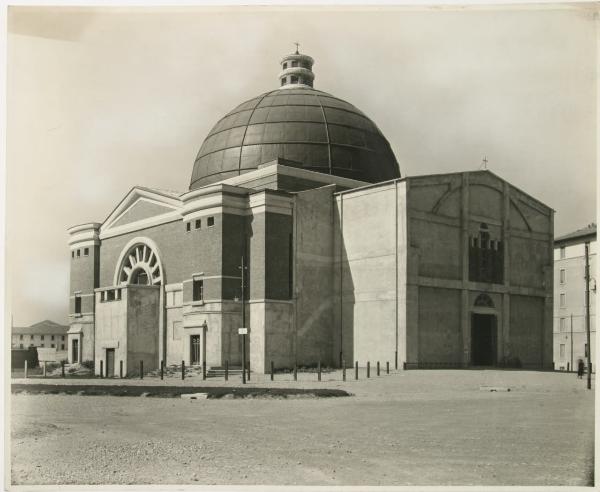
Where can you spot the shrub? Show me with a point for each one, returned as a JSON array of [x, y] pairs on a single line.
[[88, 364]]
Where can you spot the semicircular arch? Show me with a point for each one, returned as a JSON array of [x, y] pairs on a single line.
[[140, 256]]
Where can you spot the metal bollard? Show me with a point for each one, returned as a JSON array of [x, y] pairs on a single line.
[[101, 368], [368, 369], [568, 368], [295, 372], [44, 369], [106, 370], [319, 370], [226, 370], [378, 368], [272, 370], [404, 366], [203, 370], [396, 359], [141, 369], [121, 369], [248, 378], [387, 367], [356, 370], [343, 370], [182, 370], [62, 368], [162, 369], [25, 368]]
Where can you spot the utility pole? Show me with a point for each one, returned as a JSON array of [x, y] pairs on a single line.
[[571, 341], [243, 268], [587, 315]]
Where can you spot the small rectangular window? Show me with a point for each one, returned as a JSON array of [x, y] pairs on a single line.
[[52, 337], [210, 221], [563, 300], [42, 337], [31, 337], [562, 253], [110, 295], [78, 253], [63, 338], [294, 79], [72, 254], [86, 251], [198, 290], [42, 345], [62, 346], [562, 275], [198, 223], [20, 337], [283, 81], [562, 324], [188, 226], [294, 64], [52, 345], [285, 65], [77, 304], [562, 351]]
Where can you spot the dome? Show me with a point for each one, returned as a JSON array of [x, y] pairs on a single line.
[[303, 126]]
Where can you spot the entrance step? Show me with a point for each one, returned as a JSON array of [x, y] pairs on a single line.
[[219, 372]]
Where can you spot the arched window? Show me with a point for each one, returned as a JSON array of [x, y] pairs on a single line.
[[140, 266], [483, 300]]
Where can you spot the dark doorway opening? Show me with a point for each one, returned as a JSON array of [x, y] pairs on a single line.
[[483, 339], [110, 363], [195, 350], [75, 352]]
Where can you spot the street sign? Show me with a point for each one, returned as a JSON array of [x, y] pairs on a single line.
[[242, 331]]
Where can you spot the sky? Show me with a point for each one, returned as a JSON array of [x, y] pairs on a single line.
[[103, 99]]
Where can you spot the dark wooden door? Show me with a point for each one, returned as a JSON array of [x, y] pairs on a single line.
[[195, 350], [110, 363], [483, 340], [75, 355]]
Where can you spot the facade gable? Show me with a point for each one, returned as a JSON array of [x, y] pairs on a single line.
[[141, 208]]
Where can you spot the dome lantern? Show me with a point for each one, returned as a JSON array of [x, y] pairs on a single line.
[[296, 70]]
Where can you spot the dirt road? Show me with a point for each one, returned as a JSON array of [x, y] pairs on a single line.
[[414, 428]]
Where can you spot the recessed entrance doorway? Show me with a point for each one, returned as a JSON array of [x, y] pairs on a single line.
[[75, 351], [483, 339], [194, 350], [110, 363]]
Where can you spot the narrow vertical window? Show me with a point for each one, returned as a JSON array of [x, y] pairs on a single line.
[[188, 226], [562, 253], [198, 290], [562, 275], [77, 304], [198, 223], [210, 221]]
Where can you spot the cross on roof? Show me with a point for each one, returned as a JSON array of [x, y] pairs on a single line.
[[297, 46], [484, 162]]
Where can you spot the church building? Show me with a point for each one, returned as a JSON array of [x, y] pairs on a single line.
[[298, 224]]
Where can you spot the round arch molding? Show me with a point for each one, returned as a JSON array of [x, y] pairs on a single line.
[[140, 257]]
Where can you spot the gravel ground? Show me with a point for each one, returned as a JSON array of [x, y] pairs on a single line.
[[410, 428]]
